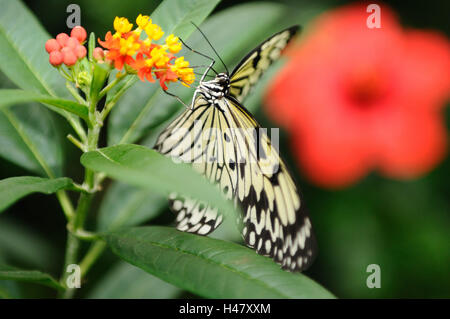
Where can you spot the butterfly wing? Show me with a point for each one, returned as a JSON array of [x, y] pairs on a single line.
[[275, 221], [225, 143], [249, 70], [192, 138]]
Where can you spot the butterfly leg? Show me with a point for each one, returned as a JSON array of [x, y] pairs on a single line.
[[177, 97]]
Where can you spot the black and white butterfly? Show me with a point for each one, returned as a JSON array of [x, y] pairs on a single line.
[[224, 142]]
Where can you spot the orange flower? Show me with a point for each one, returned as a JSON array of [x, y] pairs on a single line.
[[114, 51], [143, 68], [166, 76], [145, 57]]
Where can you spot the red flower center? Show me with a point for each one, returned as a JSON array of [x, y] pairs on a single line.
[[366, 90]]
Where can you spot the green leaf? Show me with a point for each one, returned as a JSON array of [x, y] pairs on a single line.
[[24, 59], [34, 276], [91, 46], [125, 205], [24, 245], [9, 289], [124, 281], [12, 96], [31, 137], [143, 167], [99, 76], [14, 188], [174, 17], [209, 267]]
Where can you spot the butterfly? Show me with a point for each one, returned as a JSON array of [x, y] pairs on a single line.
[[224, 142]]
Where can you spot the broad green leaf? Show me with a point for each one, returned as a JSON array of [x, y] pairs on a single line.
[[209, 267], [9, 289], [24, 59], [14, 188], [21, 244], [126, 205], [11, 96], [34, 276], [145, 107], [174, 17], [124, 281], [31, 137], [143, 167]]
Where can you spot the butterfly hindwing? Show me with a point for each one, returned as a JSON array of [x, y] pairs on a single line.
[[247, 73], [195, 137]]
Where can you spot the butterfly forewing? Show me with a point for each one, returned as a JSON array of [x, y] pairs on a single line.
[[249, 70]]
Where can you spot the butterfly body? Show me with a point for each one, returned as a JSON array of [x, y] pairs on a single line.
[[224, 142]]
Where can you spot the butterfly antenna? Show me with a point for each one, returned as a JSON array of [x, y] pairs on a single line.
[[199, 53], [211, 46]]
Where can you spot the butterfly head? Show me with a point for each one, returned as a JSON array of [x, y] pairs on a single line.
[[217, 88]]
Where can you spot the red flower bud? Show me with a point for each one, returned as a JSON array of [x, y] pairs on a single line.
[[72, 43], [52, 45], [62, 39], [69, 56], [98, 53], [80, 51], [55, 58], [79, 32]]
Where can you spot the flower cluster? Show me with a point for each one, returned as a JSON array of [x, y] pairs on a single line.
[[147, 59], [356, 99], [65, 49]]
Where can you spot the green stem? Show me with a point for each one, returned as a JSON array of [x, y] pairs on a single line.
[[109, 105], [66, 204], [77, 221], [111, 85], [74, 93], [72, 246], [91, 256]]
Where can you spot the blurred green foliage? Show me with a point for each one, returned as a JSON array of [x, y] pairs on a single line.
[[402, 226]]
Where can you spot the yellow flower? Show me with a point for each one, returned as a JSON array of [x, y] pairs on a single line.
[[179, 64], [188, 78], [129, 46], [154, 31], [159, 57], [183, 71], [122, 25], [172, 44], [142, 21]]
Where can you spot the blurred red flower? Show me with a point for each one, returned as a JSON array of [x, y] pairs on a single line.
[[356, 99]]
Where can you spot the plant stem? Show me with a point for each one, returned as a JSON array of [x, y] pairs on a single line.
[[76, 220], [111, 85], [66, 204], [91, 256], [72, 246], [74, 93]]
